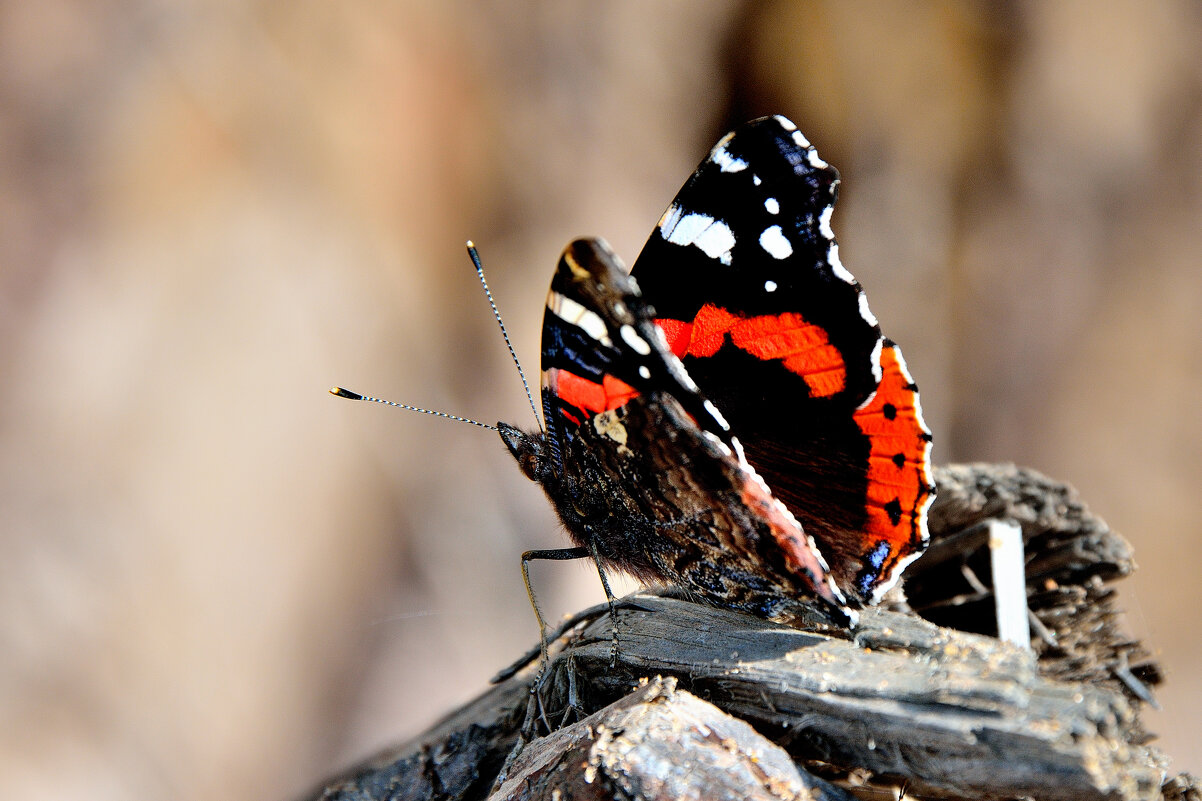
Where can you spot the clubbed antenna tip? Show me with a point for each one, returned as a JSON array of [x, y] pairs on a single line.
[[475, 257], [346, 393]]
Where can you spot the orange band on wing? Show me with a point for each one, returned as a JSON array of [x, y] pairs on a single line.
[[898, 472], [802, 347], [678, 333], [710, 327], [591, 396]]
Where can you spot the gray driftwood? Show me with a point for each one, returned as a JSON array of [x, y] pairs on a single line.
[[902, 703]]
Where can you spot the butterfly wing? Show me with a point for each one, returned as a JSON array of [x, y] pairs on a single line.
[[743, 272], [641, 468]]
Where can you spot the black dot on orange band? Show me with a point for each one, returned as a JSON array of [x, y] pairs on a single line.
[[899, 459], [894, 510], [890, 411]]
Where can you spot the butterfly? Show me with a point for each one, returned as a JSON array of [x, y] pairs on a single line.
[[728, 418]]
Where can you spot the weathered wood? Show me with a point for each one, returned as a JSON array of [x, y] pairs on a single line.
[[954, 715], [1070, 554], [950, 713], [943, 712], [633, 749]]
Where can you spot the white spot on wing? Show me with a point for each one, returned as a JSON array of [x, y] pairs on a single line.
[[713, 237], [755, 179], [717, 415], [717, 241], [769, 286], [739, 450], [644, 372], [800, 139], [679, 373], [832, 258], [636, 342], [876, 359], [772, 206], [824, 222], [667, 223], [785, 122], [718, 443], [722, 157], [774, 241], [572, 312], [816, 162], [866, 312]]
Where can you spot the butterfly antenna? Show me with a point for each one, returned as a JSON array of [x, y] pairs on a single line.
[[346, 393], [475, 257]]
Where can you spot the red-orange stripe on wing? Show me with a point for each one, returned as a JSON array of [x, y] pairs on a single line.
[[589, 395], [898, 470], [678, 334], [802, 347]]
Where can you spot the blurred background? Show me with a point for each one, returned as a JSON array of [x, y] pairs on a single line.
[[218, 581]]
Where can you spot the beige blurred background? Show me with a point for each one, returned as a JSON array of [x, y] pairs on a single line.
[[217, 581]]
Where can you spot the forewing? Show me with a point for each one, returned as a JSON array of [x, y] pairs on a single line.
[[745, 277]]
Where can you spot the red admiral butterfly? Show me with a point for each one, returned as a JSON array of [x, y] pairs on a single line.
[[739, 355]]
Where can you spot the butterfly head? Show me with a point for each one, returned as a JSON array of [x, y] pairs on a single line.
[[527, 449]]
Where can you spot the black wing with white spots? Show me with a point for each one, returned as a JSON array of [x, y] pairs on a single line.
[[746, 279]]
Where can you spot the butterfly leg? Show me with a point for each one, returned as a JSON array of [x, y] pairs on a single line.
[[556, 554], [613, 609]]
